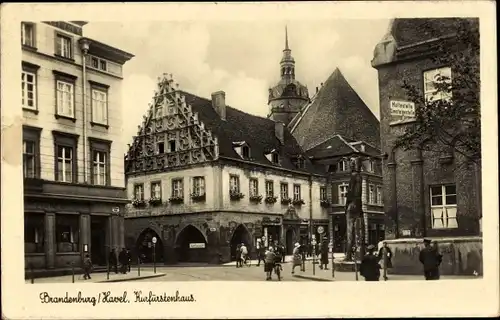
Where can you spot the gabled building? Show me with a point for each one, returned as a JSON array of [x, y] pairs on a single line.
[[74, 188], [333, 127], [203, 177], [431, 193]]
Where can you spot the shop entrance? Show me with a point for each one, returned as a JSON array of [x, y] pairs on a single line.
[[191, 245], [98, 245], [240, 235], [145, 246]]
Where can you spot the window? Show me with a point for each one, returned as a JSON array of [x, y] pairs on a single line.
[[362, 148], [269, 188], [156, 190], [444, 207], [65, 99], [160, 147], [177, 188], [64, 46], [343, 193], [29, 159], [284, 190], [139, 191], [171, 145], [254, 187], [342, 165], [34, 231], [99, 106], [433, 78], [234, 184], [296, 192], [369, 166], [100, 169], [95, 62], [371, 193], [276, 159], [28, 89], [28, 34], [379, 196], [198, 186], [103, 65], [67, 231], [245, 150], [65, 164], [322, 194]]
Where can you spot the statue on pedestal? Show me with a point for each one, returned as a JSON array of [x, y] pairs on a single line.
[[353, 209]]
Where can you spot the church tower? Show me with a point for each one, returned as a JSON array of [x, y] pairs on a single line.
[[288, 96]]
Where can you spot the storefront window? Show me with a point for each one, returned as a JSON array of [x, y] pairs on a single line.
[[67, 233], [34, 232]]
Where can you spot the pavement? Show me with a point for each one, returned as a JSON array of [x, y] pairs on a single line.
[[102, 277], [288, 259]]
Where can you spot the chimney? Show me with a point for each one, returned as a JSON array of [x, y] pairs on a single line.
[[219, 103], [279, 131]]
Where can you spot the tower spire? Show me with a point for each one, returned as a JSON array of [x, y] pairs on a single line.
[[286, 38]]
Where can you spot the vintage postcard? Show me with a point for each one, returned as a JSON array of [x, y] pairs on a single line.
[[249, 160]]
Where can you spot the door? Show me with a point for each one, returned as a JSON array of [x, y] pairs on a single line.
[[98, 245], [289, 241]]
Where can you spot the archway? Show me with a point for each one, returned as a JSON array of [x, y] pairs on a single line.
[[145, 247], [289, 241], [240, 235], [191, 245]]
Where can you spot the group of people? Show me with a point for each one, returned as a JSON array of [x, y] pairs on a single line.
[[124, 258], [429, 257], [241, 255]]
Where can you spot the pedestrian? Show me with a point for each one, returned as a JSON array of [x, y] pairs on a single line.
[[324, 256], [238, 256], [123, 258], [388, 262], [283, 253], [129, 259], [113, 262], [87, 267], [297, 257], [370, 268], [244, 254], [269, 259], [258, 249], [431, 260]]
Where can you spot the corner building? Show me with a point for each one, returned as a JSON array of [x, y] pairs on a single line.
[[427, 194], [74, 191], [203, 177]]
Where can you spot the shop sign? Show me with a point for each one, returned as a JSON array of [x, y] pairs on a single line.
[[197, 245]]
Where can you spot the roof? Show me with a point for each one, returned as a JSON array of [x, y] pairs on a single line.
[[339, 146], [408, 31], [107, 51], [335, 109], [257, 132], [286, 89]]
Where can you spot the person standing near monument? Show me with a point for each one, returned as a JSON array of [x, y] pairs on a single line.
[[431, 260], [370, 268]]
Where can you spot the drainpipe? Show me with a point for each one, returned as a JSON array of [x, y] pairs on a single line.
[[84, 45], [310, 208]]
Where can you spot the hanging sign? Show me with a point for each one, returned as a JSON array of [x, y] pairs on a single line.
[[200, 245]]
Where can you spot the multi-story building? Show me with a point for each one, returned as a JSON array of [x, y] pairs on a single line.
[[334, 127], [204, 177], [74, 192], [434, 194]]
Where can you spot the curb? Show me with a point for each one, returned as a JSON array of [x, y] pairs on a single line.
[[314, 278], [135, 278]]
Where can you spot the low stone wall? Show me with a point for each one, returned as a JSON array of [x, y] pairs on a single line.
[[461, 255]]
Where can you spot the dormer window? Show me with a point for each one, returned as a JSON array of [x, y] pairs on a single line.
[[275, 158], [242, 149], [299, 162], [342, 165]]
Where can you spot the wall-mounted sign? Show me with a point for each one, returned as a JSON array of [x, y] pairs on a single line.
[[115, 209], [406, 232], [213, 229], [200, 245], [402, 109], [321, 229], [154, 240]]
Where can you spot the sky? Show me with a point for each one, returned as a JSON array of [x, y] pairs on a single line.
[[240, 58]]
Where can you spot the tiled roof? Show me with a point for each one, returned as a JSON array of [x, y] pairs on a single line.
[[257, 132], [407, 31], [332, 147], [336, 109]]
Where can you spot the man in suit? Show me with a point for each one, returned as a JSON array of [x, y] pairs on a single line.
[[431, 260]]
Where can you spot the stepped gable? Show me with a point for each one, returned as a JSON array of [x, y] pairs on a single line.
[[257, 132], [336, 109]]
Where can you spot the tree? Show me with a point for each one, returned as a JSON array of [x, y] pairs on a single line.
[[450, 118]]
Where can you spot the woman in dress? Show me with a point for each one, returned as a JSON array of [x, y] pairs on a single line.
[[297, 258]]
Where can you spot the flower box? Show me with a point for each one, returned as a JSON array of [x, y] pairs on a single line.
[[198, 197], [138, 203], [155, 201], [236, 196], [176, 200], [271, 199], [256, 199], [325, 203], [286, 201], [298, 202]]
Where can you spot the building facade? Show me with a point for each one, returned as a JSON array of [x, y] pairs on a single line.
[[434, 193], [288, 96], [74, 191], [203, 177]]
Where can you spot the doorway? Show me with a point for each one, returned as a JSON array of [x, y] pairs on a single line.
[[273, 233], [290, 234], [145, 247], [191, 245], [240, 235], [339, 233], [98, 244]]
